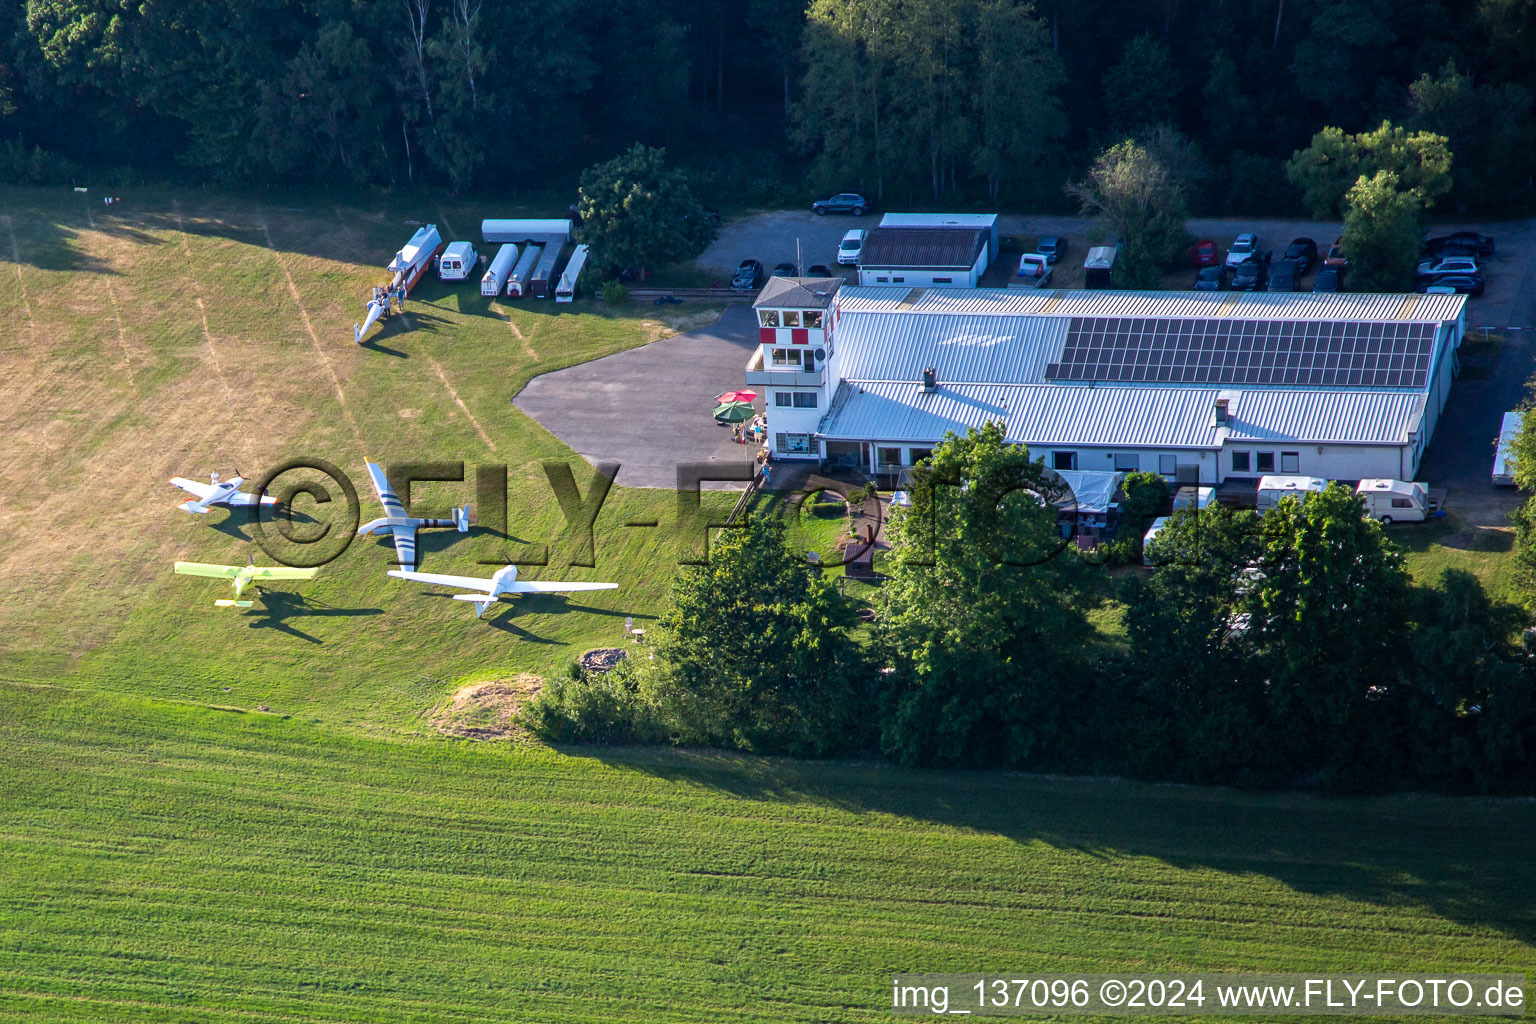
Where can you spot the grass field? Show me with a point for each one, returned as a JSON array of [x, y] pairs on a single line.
[[169, 851]]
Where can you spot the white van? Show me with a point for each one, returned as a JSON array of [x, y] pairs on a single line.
[[1151, 534], [851, 247], [1273, 488], [1394, 501], [457, 260]]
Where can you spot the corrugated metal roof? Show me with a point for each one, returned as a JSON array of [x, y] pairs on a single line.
[[1367, 306], [1045, 414], [939, 248], [964, 349]]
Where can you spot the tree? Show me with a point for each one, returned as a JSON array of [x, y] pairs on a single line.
[[1146, 495], [756, 654], [1142, 89], [1019, 120], [1486, 127], [635, 211], [1140, 199], [1381, 234], [1339, 61], [1335, 161], [983, 615]]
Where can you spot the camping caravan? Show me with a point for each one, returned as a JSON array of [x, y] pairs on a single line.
[[456, 262], [1274, 488], [1503, 462], [495, 278], [1395, 501], [1098, 266], [1148, 558], [541, 283], [565, 291], [517, 281]]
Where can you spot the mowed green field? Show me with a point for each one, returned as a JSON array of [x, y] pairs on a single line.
[[168, 852]]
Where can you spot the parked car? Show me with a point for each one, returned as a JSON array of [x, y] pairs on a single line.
[[843, 202], [785, 270], [1454, 284], [1210, 279], [749, 274], [1433, 268], [1304, 252], [1251, 274], [818, 270], [1285, 277], [1481, 245], [1329, 279], [1051, 247], [1033, 265], [852, 245], [1246, 245], [1203, 253], [1336, 257]]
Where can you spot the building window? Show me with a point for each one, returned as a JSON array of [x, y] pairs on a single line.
[[791, 318], [883, 280], [1266, 462], [1127, 462], [1168, 465], [919, 454], [1240, 462], [768, 318], [1063, 460], [805, 399], [811, 318], [1290, 462], [887, 458], [943, 280], [786, 357], [793, 444], [782, 399], [898, 280]]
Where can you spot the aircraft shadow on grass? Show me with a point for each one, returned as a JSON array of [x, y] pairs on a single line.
[[1475, 872], [278, 606], [505, 612]]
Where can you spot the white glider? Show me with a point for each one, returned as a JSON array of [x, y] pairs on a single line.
[[217, 492], [404, 527], [488, 591]]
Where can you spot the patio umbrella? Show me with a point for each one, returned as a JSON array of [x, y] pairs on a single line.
[[736, 396], [734, 412]]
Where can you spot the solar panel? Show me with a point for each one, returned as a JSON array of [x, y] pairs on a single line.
[[1285, 352]]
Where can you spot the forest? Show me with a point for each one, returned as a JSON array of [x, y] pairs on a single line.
[[948, 102]]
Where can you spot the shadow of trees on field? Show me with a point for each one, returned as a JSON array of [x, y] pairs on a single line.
[[1461, 859]]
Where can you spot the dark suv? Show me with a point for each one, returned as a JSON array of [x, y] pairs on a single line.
[[1251, 274], [749, 274], [843, 202]]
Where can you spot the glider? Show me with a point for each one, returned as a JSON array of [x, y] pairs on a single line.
[[404, 527], [243, 576], [488, 591]]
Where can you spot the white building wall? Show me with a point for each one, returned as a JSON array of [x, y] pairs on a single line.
[[1329, 461], [922, 278]]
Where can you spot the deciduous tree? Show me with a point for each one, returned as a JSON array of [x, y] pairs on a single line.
[[637, 211]]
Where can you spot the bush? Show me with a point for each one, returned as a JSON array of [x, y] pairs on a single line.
[[598, 708], [37, 166], [614, 293]]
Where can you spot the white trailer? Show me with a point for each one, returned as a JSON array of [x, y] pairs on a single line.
[[565, 291], [1503, 463], [407, 267], [456, 262], [1274, 488], [495, 278], [517, 281], [1395, 501], [525, 230]]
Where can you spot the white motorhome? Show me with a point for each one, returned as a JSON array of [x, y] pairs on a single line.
[[1200, 498], [495, 278], [1274, 488], [1503, 465], [1394, 501], [457, 260]]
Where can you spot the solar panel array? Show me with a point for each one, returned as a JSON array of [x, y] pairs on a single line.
[[1224, 351]]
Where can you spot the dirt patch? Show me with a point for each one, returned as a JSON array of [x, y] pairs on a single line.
[[487, 711]]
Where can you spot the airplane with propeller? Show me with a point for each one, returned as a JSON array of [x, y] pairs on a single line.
[[217, 492], [395, 520], [488, 591], [243, 576]]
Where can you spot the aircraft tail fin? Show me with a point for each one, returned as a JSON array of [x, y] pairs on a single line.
[[194, 506], [464, 517]]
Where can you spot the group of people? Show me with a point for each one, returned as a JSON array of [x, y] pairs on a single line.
[[387, 296], [746, 433]]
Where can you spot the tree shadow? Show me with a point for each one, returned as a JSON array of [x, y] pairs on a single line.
[[278, 606], [1461, 859]]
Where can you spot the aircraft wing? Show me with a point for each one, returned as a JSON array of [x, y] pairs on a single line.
[[536, 587], [282, 572], [242, 499], [405, 546], [464, 582], [392, 507], [201, 491], [218, 572]]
